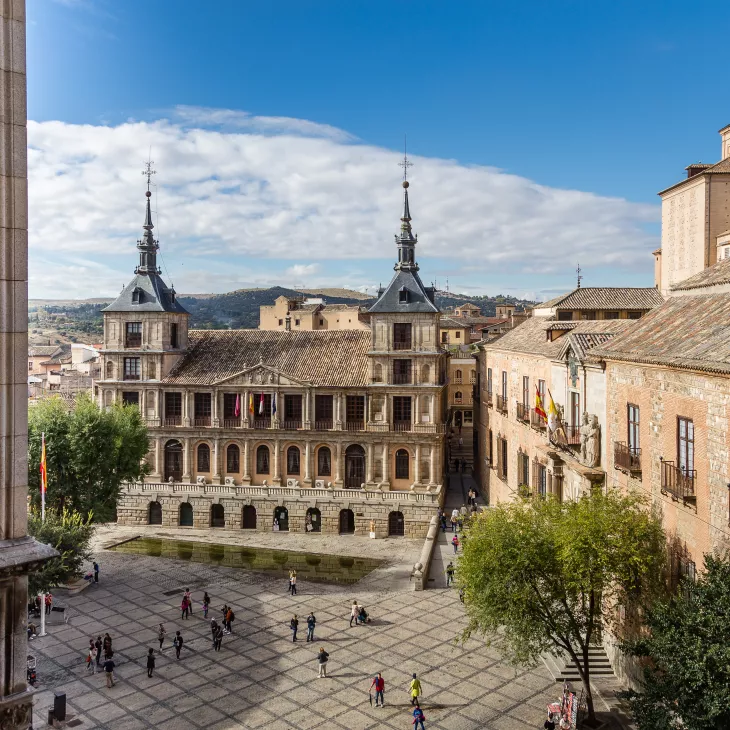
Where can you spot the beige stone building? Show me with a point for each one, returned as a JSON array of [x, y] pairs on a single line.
[[695, 220], [600, 303], [307, 315], [332, 430]]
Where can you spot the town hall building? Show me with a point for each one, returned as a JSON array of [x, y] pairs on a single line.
[[339, 431]]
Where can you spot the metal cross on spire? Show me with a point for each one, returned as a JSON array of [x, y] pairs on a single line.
[[149, 171], [406, 163]]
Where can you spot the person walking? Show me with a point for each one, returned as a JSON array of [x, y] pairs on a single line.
[[442, 519], [418, 718], [311, 623], [322, 659], [90, 664], [109, 672], [353, 613], [96, 572], [107, 646], [189, 598], [294, 625], [49, 603], [455, 543], [379, 684], [218, 638], [206, 604], [98, 646], [184, 608], [415, 689], [461, 595], [178, 642], [450, 574], [293, 582], [150, 661], [454, 519], [161, 635], [230, 616]]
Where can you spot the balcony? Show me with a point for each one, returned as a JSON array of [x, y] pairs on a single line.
[[678, 482], [131, 376], [490, 400], [626, 458], [133, 340], [402, 379], [231, 423], [173, 420], [523, 412], [572, 434], [402, 345], [261, 423], [323, 425], [291, 425], [355, 426], [401, 426], [201, 421], [458, 381], [502, 404], [537, 421]]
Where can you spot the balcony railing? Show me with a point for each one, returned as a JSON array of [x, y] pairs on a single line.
[[523, 412], [626, 458], [537, 421], [401, 425], [262, 423], [131, 376], [501, 404], [201, 421], [291, 425], [567, 435], [402, 379], [231, 423], [355, 426], [458, 381], [458, 400], [323, 425], [173, 420], [133, 340], [402, 345], [678, 482]]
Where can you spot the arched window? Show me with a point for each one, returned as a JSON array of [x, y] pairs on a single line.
[[324, 462], [217, 516], [457, 397], [155, 514], [249, 517], [292, 460], [457, 375], [109, 370], [402, 464], [354, 466], [473, 376], [203, 457], [233, 459], [186, 514], [262, 460], [377, 373]]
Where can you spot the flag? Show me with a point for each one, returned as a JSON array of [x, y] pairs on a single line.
[[250, 404], [237, 409], [552, 414], [44, 468], [538, 404], [261, 405], [273, 404]]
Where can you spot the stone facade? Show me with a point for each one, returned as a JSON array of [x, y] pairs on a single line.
[[305, 316]]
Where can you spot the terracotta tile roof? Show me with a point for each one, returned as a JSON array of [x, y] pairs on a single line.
[[327, 358], [689, 332], [722, 167], [62, 354], [42, 350], [718, 273], [603, 297]]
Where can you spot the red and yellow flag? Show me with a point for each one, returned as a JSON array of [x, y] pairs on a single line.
[[44, 468], [538, 404]]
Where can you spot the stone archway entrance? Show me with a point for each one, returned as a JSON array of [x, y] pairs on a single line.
[[281, 515], [396, 525], [354, 466], [313, 522], [186, 514], [347, 522], [155, 515], [249, 517]]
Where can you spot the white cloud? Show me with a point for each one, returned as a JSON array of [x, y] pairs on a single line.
[[289, 195], [302, 272]]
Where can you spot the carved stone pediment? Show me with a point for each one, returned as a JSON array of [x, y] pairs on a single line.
[[261, 375]]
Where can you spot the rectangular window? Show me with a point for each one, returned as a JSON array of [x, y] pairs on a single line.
[[611, 315], [565, 316], [173, 405], [489, 381], [130, 398], [504, 384], [281, 322], [468, 417], [502, 458], [526, 390], [30, 365], [229, 405], [323, 409], [293, 411], [444, 338], [355, 409], [541, 390], [685, 445], [457, 334], [233, 459], [402, 337], [132, 368], [589, 315], [539, 479], [203, 405], [633, 422], [575, 409], [173, 335], [634, 315], [523, 469], [401, 409], [296, 323], [402, 372], [490, 448], [133, 337]]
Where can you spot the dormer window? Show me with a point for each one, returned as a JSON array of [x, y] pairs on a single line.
[[403, 295], [136, 295]]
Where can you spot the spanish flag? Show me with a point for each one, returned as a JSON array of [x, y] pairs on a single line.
[[538, 404], [44, 468], [250, 404]]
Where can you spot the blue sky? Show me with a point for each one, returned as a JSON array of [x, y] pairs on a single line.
[[508, 108]]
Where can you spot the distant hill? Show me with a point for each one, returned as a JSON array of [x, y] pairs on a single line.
[[52, 321]]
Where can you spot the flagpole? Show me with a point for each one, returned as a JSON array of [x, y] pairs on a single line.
[[43, 519]]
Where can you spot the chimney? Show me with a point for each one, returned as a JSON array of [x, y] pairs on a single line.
[[725, 135]]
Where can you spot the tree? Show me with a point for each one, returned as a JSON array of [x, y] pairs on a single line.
[[90, 452], [687, 684], [70, 533], [541, 575]]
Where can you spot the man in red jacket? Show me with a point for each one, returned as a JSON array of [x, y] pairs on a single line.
[[379, 684]]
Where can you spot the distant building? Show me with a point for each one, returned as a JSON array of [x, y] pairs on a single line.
[[600, 303], [307, 315]]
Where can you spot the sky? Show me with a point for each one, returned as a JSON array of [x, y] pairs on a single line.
[[539, 134]]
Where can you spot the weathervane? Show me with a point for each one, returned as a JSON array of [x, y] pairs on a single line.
[[149, 172], [406, 163], [580, 278]]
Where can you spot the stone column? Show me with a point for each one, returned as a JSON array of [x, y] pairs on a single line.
[[307, 463], [416, 405], [369, 465], [18, 553], [307, 409], [216, 476], [431, 405], [246, 463], [186, 460], [158, 459], [417, 466], [214, 396], [338, 411], [187, 415], [338, 470], [244, 410], [386, 466], [277, 475], [432, 466]]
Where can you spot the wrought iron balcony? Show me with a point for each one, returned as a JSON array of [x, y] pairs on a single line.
[[402, 345], [536, 420], [678, 481], [401, 426], [523, 412], [201, 421], [261, 423], [626, 458], [291, 425], [173, 420], [231, 423], [501, 404], [323, 425], [355, 426], [402, 378]]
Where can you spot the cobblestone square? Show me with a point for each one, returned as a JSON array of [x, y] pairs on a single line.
[[260, 678]]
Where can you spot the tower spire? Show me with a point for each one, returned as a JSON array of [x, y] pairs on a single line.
[[147, 246], [406, 241]]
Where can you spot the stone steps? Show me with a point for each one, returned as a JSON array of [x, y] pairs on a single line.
[[562, 668]]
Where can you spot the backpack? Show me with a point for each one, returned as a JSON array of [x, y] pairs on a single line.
[[175, 641], [231, 616]]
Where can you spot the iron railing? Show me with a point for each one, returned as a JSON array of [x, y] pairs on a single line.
[[501, 404], [678, 481], [355, 426], [173, 420], [291, 425], [536, 420], [231, 423], [262, 423], [201, 421], [626, 458], [323, 425], [523, 412]]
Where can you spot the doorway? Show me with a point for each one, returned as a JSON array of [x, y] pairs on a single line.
[[173, 461], [347, 522], [354, 466]]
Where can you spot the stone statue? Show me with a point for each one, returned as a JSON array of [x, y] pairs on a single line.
[[372, 525], [589, 441]]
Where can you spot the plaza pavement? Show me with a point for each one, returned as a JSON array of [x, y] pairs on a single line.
[[260, 679]]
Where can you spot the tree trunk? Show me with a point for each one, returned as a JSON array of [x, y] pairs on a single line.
[[586, 678]]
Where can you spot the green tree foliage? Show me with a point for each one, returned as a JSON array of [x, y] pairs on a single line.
[[687, 684], [70, 533], [541, 575], [90, 451]]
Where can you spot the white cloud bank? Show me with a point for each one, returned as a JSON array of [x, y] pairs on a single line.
[[279, 188]]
